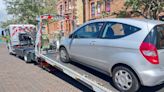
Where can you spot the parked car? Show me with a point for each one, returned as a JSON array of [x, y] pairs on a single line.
[[131, 51]]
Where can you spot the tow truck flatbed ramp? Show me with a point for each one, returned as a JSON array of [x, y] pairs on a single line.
[[88, 79]]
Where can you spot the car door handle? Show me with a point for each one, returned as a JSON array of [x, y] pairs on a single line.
[[92, 43]]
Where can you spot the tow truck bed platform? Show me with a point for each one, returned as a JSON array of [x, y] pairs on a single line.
[[80, 74]]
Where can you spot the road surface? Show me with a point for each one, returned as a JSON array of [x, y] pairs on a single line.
[[18, 76]]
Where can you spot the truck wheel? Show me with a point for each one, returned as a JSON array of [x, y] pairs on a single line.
[[27, 58], [125, 80], [64, 57], [10, 53]]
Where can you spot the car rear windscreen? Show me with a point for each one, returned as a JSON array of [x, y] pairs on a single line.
[[160, 36], [156, 37]]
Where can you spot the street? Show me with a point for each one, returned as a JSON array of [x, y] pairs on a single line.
[[18, 76], [82, 45]]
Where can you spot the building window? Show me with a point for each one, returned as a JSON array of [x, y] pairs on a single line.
[[107, 6], [61, 10], [69, 4], [66, 6], [98, 8], [92, 9]]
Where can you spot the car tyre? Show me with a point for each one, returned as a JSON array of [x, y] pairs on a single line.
[[64, 57], [27, 58], [125, 80]]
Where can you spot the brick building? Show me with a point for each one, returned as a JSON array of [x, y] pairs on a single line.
[[95, 9], [76, 12], [72, 11]]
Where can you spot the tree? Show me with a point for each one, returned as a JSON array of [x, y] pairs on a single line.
[[4, 24], [26, 11], [147, 8]]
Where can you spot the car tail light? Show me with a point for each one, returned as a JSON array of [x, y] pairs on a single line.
[[149, 51]]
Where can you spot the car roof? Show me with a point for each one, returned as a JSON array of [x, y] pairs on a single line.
[[131, 21]]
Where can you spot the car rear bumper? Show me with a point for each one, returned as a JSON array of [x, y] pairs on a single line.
[[152, 77]]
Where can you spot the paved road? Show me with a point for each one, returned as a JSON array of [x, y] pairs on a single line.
[[17, 76]]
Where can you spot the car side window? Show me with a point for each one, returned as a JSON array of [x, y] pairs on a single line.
[[89, 31], [118, 30]]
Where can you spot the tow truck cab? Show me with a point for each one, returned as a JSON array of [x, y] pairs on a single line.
[[26, 47], [20, 40]]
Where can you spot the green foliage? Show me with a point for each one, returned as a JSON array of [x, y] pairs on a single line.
[[105, 14], [26, 11], [122, 14], [6, 23], [146, 8]]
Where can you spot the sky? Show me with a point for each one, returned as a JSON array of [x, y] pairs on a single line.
[[3, 13]]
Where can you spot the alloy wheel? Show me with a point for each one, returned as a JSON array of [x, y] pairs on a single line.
[[123, 79], [63, 55]]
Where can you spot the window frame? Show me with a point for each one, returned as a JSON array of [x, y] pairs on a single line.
[[118, 37], [99, 8], [93, 9], [66, 5], [61, 9], [108, 6], [69, 4]]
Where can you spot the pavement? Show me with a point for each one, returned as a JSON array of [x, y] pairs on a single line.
[[18, 76]]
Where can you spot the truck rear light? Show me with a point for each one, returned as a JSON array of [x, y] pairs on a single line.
[[149, 51], [18, 45]]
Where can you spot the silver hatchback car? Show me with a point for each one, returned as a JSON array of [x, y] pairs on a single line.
[[131, 51]]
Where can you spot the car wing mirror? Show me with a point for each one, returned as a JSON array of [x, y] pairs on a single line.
[[73, 36]]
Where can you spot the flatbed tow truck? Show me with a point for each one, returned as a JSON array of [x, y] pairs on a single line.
[[51, 57]]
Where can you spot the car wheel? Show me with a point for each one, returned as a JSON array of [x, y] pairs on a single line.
[[125, 80], [64, 57], [27, 58]]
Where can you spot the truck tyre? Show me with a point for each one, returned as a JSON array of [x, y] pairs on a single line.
[[27, 58], [10, 53], [125, 80], [64, 57]]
